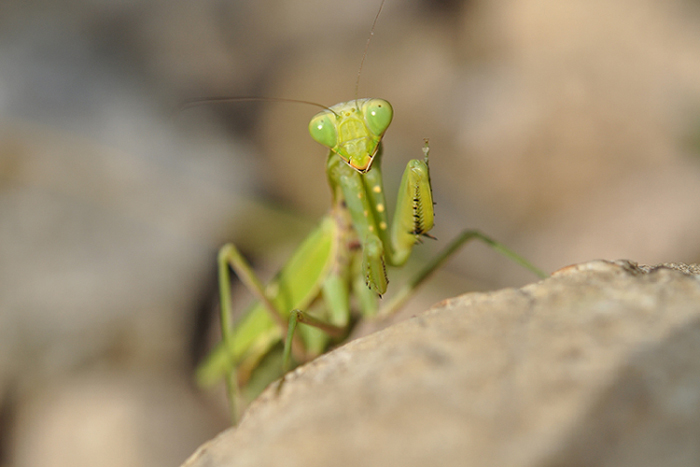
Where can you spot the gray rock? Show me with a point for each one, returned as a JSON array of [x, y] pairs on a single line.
[[596, 365]]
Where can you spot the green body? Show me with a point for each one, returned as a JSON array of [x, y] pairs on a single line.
[[345, 256], [350, 249]]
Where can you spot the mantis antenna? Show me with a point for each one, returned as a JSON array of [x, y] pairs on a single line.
[[364, 54], [223, 100]]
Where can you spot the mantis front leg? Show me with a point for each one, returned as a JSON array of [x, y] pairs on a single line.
[[413, 218]]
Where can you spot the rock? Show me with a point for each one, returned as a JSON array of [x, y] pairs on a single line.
[[596, 365]]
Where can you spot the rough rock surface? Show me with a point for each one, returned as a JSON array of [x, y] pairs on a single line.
[[596, 365]]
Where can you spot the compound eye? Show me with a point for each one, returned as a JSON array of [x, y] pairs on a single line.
[[378, 114], [322, 129]]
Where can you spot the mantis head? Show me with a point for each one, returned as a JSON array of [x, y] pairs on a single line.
[[353, 130]]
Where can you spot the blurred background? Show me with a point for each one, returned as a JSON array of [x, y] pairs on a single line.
[[567, 129]]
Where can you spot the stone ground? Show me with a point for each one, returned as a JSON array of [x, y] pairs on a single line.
[[596, 365]]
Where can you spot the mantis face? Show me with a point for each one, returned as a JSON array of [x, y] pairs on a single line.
[[353, 130]]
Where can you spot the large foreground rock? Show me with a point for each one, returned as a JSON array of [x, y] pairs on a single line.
[[597, 365]]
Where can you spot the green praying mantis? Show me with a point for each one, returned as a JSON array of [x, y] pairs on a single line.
[[343, 262]]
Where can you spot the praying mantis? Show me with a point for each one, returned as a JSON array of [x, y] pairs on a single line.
[[343, 262]]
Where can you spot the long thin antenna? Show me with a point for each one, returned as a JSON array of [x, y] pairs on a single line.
[[223, 100], [369, 39]]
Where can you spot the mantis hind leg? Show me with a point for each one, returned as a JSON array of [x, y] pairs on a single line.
[[230, 256], [263, 325], [409, 288]]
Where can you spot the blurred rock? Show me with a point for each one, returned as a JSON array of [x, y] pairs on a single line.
[[596, 365], [111, 211], [112, 419]]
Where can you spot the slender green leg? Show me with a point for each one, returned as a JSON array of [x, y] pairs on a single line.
[[286, 355], [337, 301], [231, 378], [407, 290], [229, 255], [298, 316]]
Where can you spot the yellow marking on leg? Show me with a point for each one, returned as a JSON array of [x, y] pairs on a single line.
[[382, 225], [380, 207], [377, 189]]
